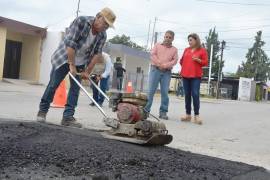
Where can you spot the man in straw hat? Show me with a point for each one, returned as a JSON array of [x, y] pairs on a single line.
[[79, 50]]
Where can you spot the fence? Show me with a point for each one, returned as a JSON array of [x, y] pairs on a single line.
[[139, 81]]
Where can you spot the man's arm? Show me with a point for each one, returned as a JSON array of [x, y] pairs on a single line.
[[71, 60], [97, 56], [73, 33], [154, 57], [170, 64], [70, 41], [91, 65]]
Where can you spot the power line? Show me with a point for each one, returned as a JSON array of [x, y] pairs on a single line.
[[234, 3], [78, 8], [246, 48], [245, 38], [268, 25], [228, 19], [60, 20], [230, 30]]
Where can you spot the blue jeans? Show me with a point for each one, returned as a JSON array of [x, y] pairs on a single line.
[[119, 83], [103, 84], [192, 88], [180, 91], [157, 76], [56, 77]]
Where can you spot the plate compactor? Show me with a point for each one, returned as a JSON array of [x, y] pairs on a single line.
[[131, 124]]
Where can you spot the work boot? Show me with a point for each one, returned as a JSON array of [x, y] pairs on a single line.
[[163, 115], [70, 121], [145, 115], [186, 118], [41, 116], [197, 120]]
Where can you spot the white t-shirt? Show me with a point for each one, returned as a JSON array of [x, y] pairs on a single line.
[[108, 65], [80, 53]]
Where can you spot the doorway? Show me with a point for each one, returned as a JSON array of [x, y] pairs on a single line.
[[12, 59]]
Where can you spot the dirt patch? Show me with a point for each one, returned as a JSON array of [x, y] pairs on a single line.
[[36, 151]]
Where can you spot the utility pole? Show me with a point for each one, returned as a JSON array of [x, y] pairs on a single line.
[[153, 34], [156, 37], [147, 42], [210, 68], [256, 64], [78, 8], [223, 43]]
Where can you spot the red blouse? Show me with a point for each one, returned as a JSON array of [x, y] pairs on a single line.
[[190, 67]]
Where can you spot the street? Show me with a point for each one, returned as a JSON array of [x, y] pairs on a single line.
[[232, 130]]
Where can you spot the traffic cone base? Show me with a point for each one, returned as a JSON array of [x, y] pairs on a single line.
[[129, 88], [60, 96]]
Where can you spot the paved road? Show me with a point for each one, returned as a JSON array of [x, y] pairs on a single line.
[[232, 130], [37, 151]]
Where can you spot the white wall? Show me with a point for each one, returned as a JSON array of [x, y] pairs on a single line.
[[49, 45]]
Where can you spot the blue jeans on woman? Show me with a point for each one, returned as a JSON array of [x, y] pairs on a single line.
[[157, 76], [103, 85], [56, 77], [192, 89]]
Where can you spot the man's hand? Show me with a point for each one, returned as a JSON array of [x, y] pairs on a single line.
[[163, 68], [72, 69], [85, 75], [98, 78]]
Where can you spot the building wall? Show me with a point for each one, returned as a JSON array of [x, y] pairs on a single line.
[[3, 33], [30, 56], [30, 59], [13, 36], [49, 45], [140, 82], [132, 63]]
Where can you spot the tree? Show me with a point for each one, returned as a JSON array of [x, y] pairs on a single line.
[[230, 74], [212, 38], [257, 64], [125, 40]]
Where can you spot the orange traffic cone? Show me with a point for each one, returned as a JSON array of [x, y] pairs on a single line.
[[129, 88], [60, 96]]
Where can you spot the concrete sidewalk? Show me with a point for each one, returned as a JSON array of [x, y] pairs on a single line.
[[233, 130]]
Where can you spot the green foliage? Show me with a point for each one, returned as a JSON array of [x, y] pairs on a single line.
[[257, 65], [212, 38], [125, 40]]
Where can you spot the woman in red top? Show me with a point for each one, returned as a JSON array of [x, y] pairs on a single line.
[[192, 61]]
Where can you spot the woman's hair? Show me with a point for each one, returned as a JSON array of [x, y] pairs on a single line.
[[197, 39]]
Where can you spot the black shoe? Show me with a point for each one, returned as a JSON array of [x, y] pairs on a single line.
[[41, 117], [92, 104], [70, 121], [163, 115]]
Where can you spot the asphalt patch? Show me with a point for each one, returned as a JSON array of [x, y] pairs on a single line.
[[32, 150]]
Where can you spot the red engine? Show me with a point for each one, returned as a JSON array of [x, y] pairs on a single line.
[[129, 114]]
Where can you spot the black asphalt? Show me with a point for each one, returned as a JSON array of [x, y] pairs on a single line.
[[30, 150]]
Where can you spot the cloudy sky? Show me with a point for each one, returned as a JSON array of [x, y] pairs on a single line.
[[236, 21]]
